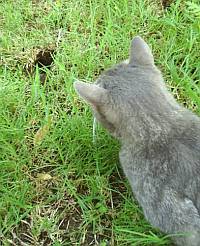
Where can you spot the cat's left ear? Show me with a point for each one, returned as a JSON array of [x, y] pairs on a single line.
[[91, 93], [140, 52]]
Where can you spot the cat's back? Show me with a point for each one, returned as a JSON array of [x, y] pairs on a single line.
[[172, 161], [188, 132]]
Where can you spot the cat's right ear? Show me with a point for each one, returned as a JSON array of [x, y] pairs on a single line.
[[140, 52], [91, 93]]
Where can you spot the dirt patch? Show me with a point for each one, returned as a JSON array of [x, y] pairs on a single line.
[[67, 216], [67, 219]]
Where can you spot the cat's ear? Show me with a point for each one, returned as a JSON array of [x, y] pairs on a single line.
[[140, 53], [91, 93]]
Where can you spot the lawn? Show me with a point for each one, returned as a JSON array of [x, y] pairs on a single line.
[[57, 186]]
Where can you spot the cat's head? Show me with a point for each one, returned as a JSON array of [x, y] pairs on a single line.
[[124, 91]]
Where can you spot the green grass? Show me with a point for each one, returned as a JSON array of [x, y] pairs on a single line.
[[57, 187]]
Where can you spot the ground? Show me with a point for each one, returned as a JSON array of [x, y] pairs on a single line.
[[57, 186]]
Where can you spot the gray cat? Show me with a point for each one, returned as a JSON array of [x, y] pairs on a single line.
[[160, 141]]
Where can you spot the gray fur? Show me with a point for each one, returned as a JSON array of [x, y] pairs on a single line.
[[160, 142]]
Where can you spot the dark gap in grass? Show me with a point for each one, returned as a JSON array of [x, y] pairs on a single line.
[[23, 233], [98, 71], [96, 239], [44, 237], [43, 60], [117, 188], [82, 188], [194, 73], [166, 3]]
